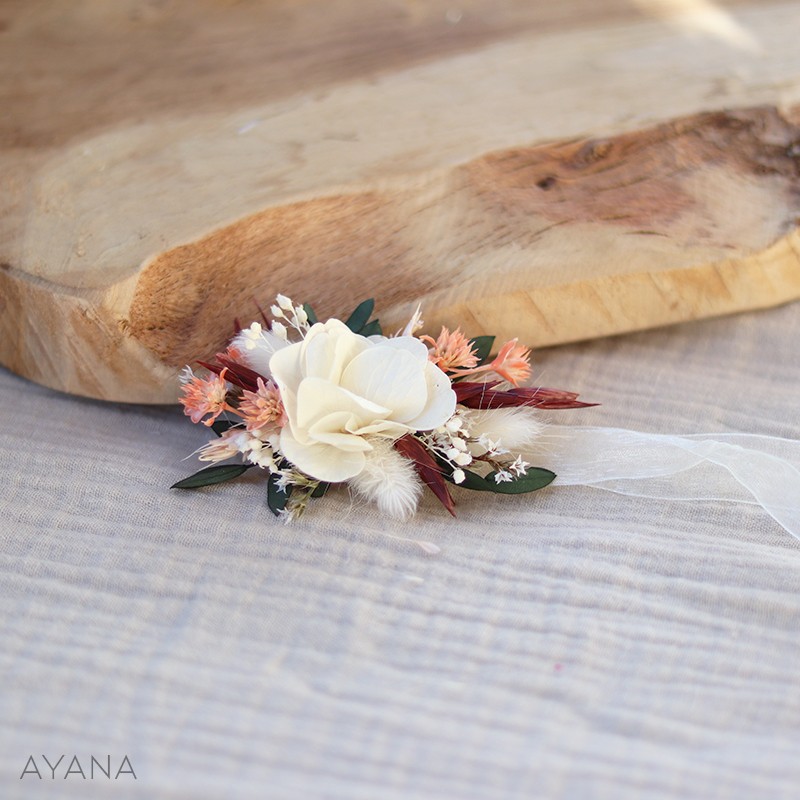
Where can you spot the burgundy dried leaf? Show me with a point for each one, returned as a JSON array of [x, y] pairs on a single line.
[[241, 375], [428, 470], [238, 374], [542, 397], [467, 390], [484, 395], [215, 368]]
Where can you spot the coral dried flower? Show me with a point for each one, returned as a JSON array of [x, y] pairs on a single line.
[[512, 362], [262, 408], [203, 396], [451, 351]]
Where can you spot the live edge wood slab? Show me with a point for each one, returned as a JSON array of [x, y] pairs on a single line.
[[554, 171]]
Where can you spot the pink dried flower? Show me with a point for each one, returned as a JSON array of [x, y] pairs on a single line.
[[203, 396], [262, 408], [451, 351]]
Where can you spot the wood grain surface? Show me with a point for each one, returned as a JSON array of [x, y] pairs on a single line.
[[554, 170]]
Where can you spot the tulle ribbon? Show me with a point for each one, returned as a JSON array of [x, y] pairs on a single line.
[[733, 467]]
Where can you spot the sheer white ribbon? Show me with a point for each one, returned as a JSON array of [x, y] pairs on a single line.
[[734, 467]]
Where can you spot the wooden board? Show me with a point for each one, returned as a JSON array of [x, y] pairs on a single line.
[[558, 170]]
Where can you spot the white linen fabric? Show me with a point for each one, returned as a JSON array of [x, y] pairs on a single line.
[[573, 643]]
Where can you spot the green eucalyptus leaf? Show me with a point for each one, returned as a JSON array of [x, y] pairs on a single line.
[[360, 317], [212, 475], [320, 490], [471, 481], [372, 329], [312, 317], [276, 498], [535, 478], [482, 346]]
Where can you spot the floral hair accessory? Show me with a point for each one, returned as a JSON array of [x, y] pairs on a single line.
[[313, 404]]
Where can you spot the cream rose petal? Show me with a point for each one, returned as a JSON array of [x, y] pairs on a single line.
[[390, 378], [409, 344], [285, 368], [441, 403], [328, 348], [321, 461], [340, 429], [317, 398], [441, 399]]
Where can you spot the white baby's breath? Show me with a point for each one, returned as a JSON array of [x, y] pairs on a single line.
[[300, 316], [284, 302]]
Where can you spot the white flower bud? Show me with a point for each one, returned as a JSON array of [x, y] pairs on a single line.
[[284, 302], [458, 476], [251, 336]]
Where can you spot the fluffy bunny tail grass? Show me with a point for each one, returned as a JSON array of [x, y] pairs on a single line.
[[389, 480], [516, 429]]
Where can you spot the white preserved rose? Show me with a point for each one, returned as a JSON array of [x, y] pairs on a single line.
[[340, 388]]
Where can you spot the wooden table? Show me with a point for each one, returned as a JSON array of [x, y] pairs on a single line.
[[556, 170]]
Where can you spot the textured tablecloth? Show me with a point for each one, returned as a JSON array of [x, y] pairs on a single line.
[[568, 644]]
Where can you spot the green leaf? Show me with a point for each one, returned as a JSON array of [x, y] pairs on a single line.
[[535, 478], [320, 490], [372, 329], [482, 345], [312, 317], [219, 426], [277, 499], [212, 475], [471, 481], [359, 318]]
